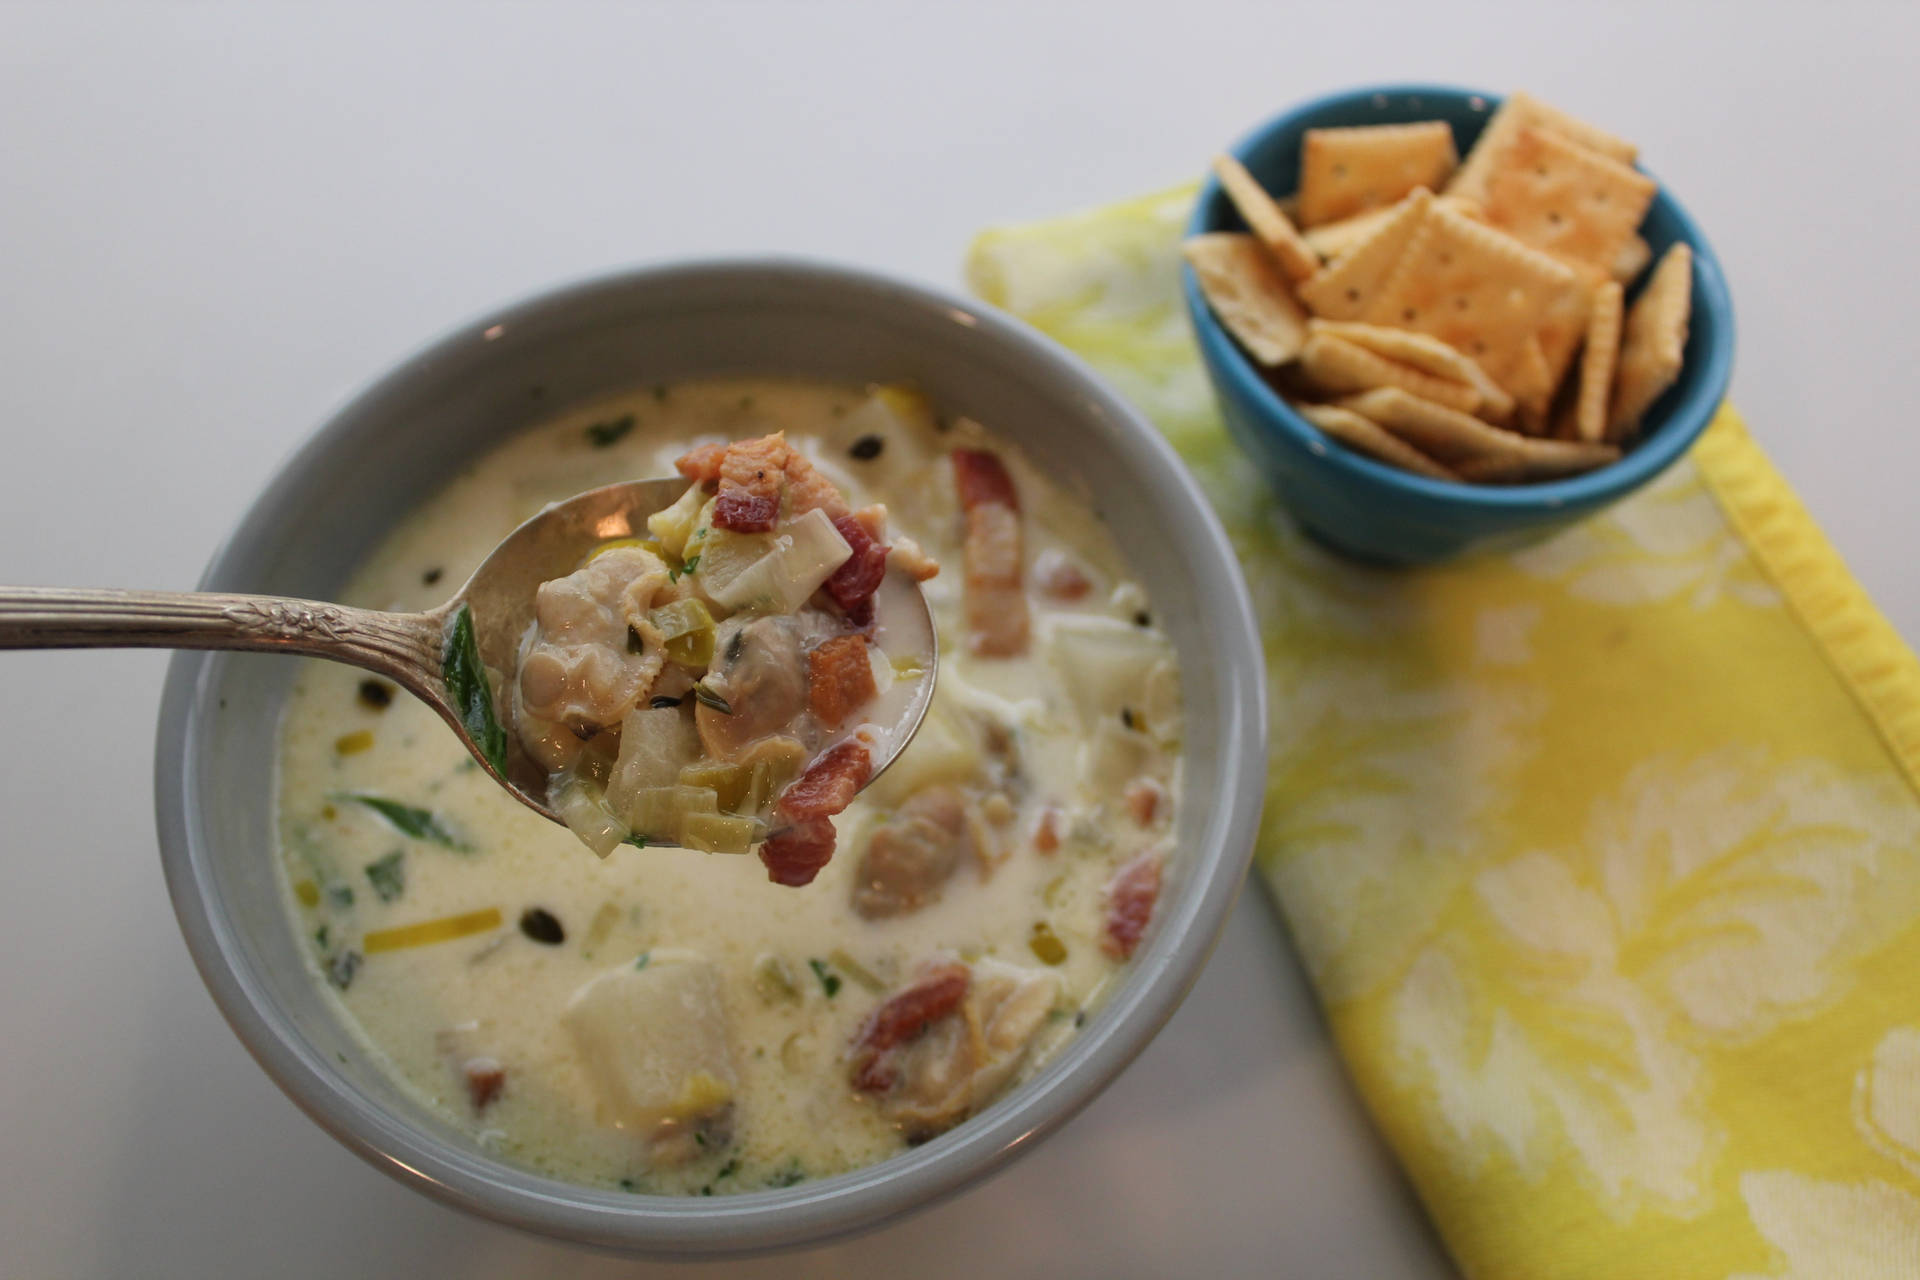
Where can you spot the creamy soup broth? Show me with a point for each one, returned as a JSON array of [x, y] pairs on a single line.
[[455, 927]]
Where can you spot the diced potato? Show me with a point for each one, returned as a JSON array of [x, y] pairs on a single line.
[[654, 1041], [804, 554], [655, 744], [944, 750], [676, 524], [1114, 756], [1105, 665]]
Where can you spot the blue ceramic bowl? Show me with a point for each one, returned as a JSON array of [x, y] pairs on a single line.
[[1380, 513]]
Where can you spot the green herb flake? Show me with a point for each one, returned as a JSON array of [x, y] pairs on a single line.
[[637, 840], [612, 431], [469, 691], [640, 962], [692, 564], [728, 1169], [628, 1184], [700, 1139], [320, 938], [389, 875], [829, 981], [788, 1176], [341, 968], [339, 896], [708, 698], [420, 824]]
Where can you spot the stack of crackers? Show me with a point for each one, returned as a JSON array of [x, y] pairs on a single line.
[[1478, 334]]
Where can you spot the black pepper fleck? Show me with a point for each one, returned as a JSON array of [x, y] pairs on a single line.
[[432, 575], [376, 695], [539, 924], [1126, 717], [866, 448], [1143, 619]]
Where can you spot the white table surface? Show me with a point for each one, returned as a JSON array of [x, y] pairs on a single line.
[[216, 222]]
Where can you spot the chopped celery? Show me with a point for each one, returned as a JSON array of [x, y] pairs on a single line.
[[674, 525], [773, 978], [583, 807], [687, 626], [660, 812], [801, 557], [718, 832], [861, 975], [1046, 945], [728, 781]]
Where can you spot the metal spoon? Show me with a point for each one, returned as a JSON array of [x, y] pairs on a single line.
[[411, 648]]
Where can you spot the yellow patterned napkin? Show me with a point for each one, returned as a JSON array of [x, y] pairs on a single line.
[[1604, 855]]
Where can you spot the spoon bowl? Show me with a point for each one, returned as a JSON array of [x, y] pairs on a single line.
[[424, 652]]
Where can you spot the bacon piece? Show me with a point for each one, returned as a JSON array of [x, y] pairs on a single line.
[[982, 479], [795, 854], [752, 473], [839, 679], [485, 1079], [874, 520], [911, 559], [855, 581], [808, 489], [702, 465], [830, 783], [995, 604], [1046, 833], [1142, 798], [904, 1016], [745, 512], [1058, 577], [1131, 896]]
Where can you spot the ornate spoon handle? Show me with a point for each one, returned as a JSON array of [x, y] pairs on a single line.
[[404, 646]]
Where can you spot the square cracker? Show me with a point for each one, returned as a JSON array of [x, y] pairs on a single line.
[[1332, 363], [1478, 290], [1597, 363], [1349, 171], [1654, 343], [1332, 239], [1539, 460], [1345, 288], [1426, 353], [1558, 196], [1446, 435], [1632, 259], [1244, 287], [1518, 111], [1363, 435], [1265, 219]]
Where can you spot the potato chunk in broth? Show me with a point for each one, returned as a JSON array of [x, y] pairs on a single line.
[[676, 1022]]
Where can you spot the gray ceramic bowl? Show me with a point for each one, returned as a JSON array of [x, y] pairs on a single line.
[[403, 438]]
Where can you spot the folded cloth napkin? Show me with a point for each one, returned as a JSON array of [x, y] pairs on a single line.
[[1604, 855]]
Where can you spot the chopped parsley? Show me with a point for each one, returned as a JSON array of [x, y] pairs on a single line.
[[640, 962], [389, 875], [829, 980]]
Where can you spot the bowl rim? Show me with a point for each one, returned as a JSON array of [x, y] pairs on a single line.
[[1638, 465], [843, 1204]]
